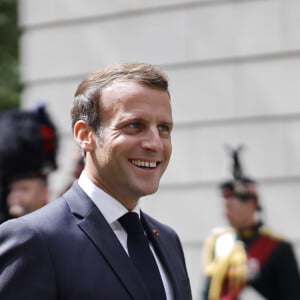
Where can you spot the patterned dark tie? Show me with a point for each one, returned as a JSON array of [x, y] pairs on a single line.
[[141, 255]]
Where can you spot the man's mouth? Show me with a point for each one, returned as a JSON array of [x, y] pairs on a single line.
[[144, 164]]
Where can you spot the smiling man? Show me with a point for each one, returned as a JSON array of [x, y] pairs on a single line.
[[95, 242]]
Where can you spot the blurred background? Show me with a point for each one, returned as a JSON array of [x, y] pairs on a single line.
[[234, 71]]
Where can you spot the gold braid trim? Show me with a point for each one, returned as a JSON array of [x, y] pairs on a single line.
[[272, 235], [217, 268], [209, 248]]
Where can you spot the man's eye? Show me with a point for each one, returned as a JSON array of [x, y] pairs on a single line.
[[164, 128], [135, 125]]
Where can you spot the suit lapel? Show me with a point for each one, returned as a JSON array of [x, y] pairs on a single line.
[[100, 233], [166, 256]]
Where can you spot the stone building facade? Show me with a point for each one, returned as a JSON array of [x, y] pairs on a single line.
[[234, 69]]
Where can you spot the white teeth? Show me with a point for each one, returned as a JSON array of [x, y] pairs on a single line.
[[145, 164]]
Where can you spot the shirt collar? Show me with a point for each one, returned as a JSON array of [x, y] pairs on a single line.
[[111, 209]]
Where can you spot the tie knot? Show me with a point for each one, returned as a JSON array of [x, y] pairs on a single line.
[[131, 223]]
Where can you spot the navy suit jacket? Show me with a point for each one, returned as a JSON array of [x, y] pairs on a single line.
[[66, 250]]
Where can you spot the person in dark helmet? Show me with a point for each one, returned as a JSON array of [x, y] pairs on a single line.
[[28, 148], [247, 253]]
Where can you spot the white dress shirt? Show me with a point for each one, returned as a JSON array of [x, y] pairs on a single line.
[[112, 210]]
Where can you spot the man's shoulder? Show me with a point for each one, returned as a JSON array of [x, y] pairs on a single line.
[[43, 217], [272, 235], [282, 248], [53, 208]]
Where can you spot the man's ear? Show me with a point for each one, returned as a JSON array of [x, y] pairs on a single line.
[[84, 136]]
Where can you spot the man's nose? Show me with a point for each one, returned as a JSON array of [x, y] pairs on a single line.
[[152, 140]]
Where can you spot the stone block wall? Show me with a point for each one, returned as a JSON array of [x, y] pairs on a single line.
[[234, 69]]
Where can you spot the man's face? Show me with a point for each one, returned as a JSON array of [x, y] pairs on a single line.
[[26, 195], [134, 148], [240, 214]]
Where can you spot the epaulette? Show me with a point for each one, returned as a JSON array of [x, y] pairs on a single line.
[[216, 267], [209, 246], [272, 235]]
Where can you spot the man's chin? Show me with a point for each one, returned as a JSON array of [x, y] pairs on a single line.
[[16, 211], [149, 190]]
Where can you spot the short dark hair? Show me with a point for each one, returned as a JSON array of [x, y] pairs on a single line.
[[86, 104]]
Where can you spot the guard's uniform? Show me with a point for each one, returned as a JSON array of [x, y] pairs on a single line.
[[254, 257], [28, 149]]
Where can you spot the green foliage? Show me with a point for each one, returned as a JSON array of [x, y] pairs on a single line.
[[10, 87]]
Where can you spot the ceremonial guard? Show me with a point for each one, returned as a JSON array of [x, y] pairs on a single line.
[[28, 148], [246, 253]]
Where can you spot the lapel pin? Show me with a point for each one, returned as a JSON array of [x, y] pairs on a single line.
[[155, 232]]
